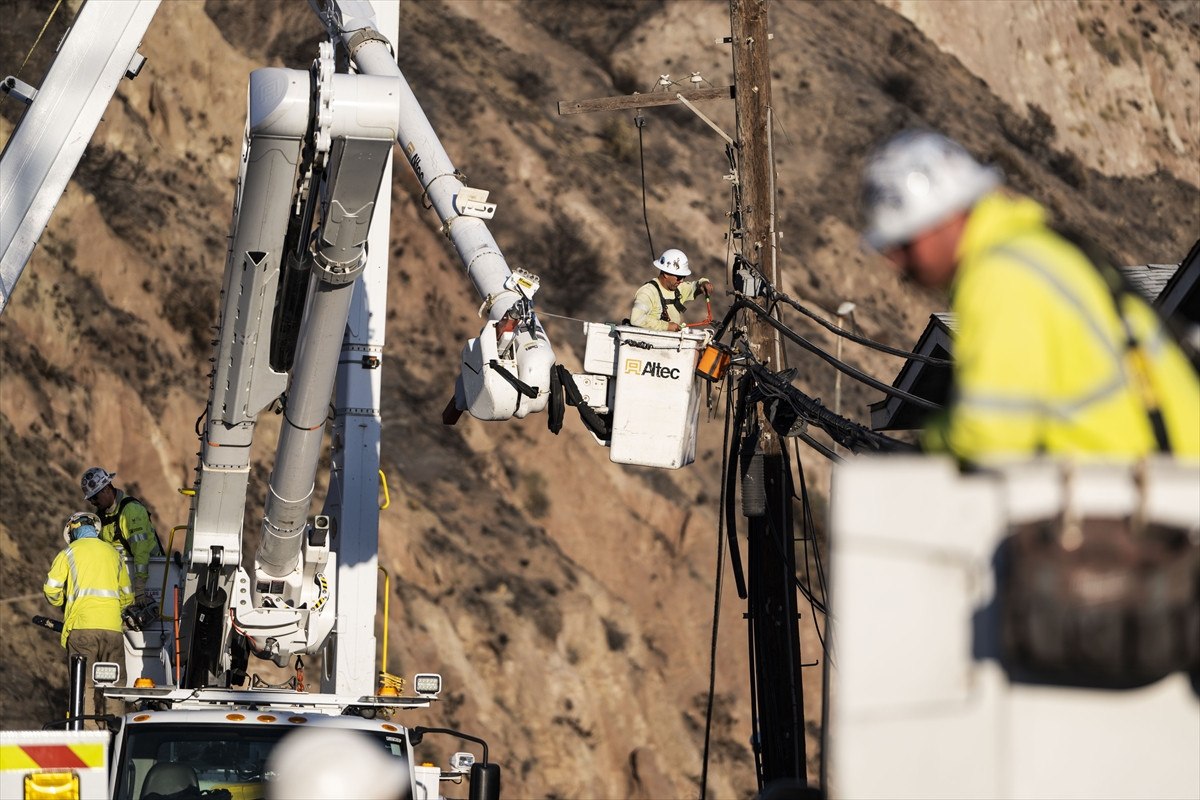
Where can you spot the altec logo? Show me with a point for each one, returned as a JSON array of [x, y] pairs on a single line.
[[634, 366]]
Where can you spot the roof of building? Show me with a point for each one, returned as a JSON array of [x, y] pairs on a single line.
[[1150, 279]]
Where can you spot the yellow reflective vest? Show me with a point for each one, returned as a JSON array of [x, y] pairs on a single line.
[[90, 578], [1040, 360], [131, 525]]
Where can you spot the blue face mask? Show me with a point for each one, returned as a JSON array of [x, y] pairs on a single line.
[[85, 532]]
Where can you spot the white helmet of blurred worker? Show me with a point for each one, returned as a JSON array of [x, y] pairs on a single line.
[[673, 262], [917, 180], [335, 764], [81, 525], [94, 480]]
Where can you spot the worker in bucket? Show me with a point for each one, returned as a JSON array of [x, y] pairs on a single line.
[[1052, 353], [125, 522], [89, 581], [659, 303]]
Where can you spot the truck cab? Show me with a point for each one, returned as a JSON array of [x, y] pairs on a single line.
[[212, 743]]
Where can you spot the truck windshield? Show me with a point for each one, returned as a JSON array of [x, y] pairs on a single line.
[[179, 761]]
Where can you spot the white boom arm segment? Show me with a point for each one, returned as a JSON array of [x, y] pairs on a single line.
[[462, 211], [45, 149], [319, 140]]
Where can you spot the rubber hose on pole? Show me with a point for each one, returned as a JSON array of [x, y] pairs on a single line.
[[554, 420], [754, 484]]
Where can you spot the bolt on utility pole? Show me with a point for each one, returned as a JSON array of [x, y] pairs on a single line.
[[772, 611]]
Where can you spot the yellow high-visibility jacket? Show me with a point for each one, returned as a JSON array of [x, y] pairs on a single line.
[[1040, 362], [650, 298], [131, 525], [90, 577]]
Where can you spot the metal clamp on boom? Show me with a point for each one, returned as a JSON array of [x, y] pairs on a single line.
[[338, 273], [469, 202]]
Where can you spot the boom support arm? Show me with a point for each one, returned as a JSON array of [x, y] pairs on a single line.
[[459, 207], [313, 140]]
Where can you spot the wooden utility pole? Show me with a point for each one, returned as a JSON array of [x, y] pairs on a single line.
[[772, 611], [752, 100]]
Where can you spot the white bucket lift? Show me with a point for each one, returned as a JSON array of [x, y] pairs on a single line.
[[647, 381]]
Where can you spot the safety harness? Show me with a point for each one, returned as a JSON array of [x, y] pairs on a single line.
[[114, 519], [662, 301]]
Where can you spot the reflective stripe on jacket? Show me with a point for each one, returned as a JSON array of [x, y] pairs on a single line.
[[648, 304], [133, 526], [90, 580], [1040, 362]]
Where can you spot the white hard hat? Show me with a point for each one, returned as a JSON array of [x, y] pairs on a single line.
[[335, 764], [94, 480], [81, 525], [915, 181], [673, 262]]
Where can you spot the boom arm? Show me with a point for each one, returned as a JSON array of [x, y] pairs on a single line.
[[317, 147], [44, 150], [462, 210]]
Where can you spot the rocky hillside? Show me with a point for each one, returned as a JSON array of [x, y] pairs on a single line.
[[568, 601]]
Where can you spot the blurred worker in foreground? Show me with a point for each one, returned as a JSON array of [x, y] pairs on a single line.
[[659, 303], [1052, 354], [125, 522], [335, 764], [89, 579]]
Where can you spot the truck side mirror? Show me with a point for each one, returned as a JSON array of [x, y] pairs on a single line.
[[485, 781]]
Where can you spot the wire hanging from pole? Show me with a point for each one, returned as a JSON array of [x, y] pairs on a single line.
[[640, 122]]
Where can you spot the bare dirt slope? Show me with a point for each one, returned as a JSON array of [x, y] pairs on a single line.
[[567, 601]]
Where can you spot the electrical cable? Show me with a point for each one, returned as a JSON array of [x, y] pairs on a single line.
[[777, 542], [856, 338], [820, 448], [755, 734], [858, 375], [36, 41], [729, 489], [811, 526], [712, 655], [827, 642], [788, 562], [640, 122], [845, 432], [808, 526]]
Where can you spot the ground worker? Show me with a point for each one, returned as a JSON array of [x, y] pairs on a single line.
[[125, 522], [1051, 354], [90, 581], [659, 303]]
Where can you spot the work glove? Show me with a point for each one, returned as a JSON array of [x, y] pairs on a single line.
[[706, 287]]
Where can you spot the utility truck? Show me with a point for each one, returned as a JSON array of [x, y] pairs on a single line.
[[301, 321]]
